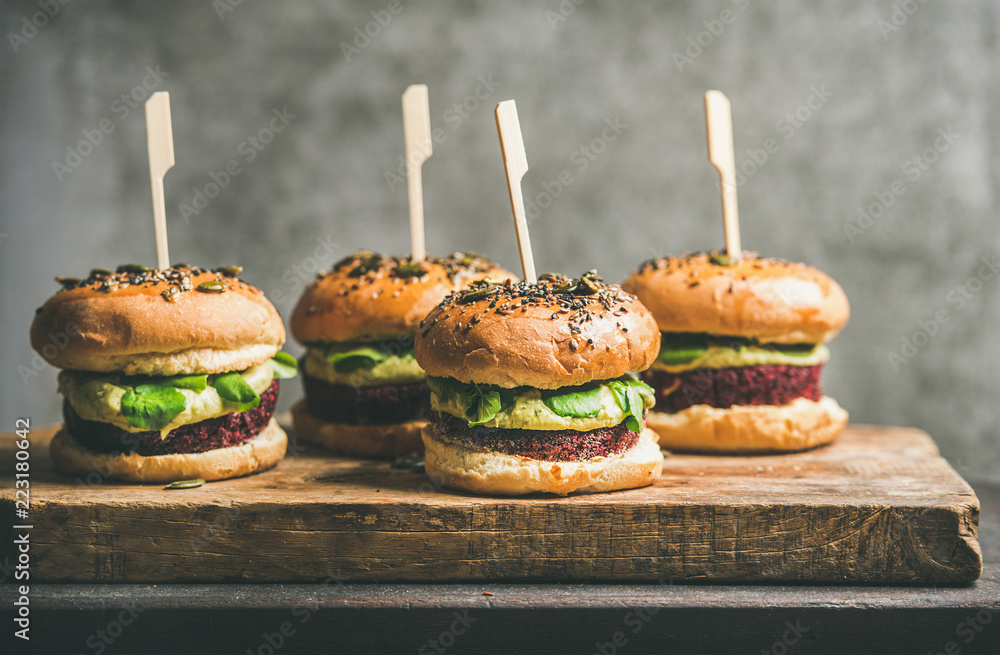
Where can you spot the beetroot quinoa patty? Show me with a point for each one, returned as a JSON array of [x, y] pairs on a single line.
[[382, 405], [545, 445], [210, 434], [768, 384]]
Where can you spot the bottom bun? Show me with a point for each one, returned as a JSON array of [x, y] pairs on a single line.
[[750, 429], [493, 473], [260, 453], [391, 440]]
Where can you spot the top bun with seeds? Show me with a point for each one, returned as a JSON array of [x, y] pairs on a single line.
[[369, 296], [143, 321], [554, 333], [768, 300]]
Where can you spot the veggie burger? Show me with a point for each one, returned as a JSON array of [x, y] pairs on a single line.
[[531, 389], [167, 374], [741, 353], [365, 394]]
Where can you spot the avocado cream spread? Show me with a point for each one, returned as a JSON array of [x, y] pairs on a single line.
[[98, 397], [360, 365], [529, 411], [720, 356]]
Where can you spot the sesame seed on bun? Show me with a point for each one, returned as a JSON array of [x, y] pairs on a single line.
[[376, 299], [554, 333], [769, 300], [156, 367], [369, 296], [138, 320], [542, 347], [742, 353]]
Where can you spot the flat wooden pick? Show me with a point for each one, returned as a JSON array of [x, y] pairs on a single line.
[[160, 140], [417, 135], [719, 121], [516, 164]]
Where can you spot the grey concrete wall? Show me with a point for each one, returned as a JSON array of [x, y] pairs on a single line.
[[885, 79]]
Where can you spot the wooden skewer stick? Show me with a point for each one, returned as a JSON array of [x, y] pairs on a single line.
[[719, 120], [516, 164], [160, 140], [417, 134]]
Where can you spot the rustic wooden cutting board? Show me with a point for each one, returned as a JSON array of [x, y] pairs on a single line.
[[879, 506]]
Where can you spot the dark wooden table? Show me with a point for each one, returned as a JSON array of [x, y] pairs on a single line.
[[341, 617]]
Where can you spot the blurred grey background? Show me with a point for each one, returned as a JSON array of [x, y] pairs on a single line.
[[885, 107]]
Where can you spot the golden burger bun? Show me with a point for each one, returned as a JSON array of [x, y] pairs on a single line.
[[182, 320], [764, 299], [555, 333], [368, 296], [750, 429], [490, 472], [258, 454]]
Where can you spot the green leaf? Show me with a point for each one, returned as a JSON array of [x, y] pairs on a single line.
[[580, 403], [443, 388], [620, 391], [635, 409], [151, 406], [234, 389], [482, 402], [352, 360], [192, 382], [485, 402], [483, 407], [631, 394], [284, 366]]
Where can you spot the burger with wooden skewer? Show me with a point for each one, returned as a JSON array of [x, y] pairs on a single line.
[[742, 338], [530, 381], [365, 393], [169, 374]]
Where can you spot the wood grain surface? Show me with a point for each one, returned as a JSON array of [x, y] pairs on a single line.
[[879, 506], [523, 618]]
